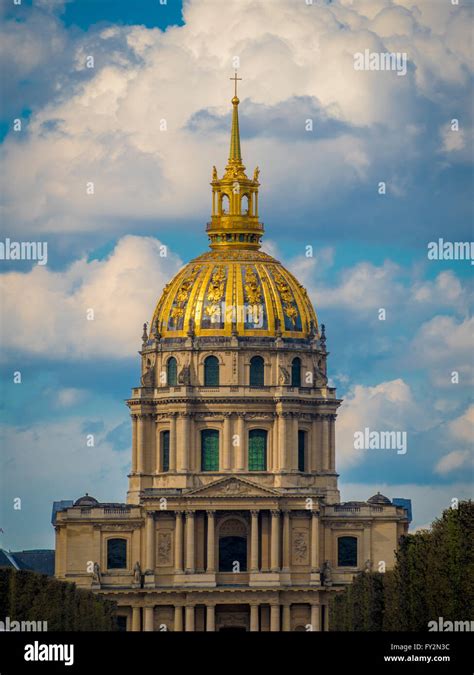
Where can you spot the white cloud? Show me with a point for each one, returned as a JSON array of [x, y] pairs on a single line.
[[452, 461], [388, 406], [443, 345], [103, 126], [462, 427], [45, 312]]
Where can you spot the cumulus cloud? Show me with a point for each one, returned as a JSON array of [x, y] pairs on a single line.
[[462, 427], [102, 125], [46, 312], [452, 461], [388, 406]]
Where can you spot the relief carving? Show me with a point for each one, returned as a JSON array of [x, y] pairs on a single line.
[[164, 548]]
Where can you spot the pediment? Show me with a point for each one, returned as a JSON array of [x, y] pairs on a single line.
[[233, 487]]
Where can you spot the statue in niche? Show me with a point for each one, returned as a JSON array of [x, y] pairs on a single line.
[[137, 573], [96, 574], [327, 574], [284, 377], [148, 377]]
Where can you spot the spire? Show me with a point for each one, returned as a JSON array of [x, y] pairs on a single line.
[[234, 222], [235, 155]]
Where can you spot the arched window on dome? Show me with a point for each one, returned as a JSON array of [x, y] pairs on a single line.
[[172, 372], [224, 204], [296, 372], [257, 450], [209, 450], [165, 450], [211, 371], [257, 371], [347, 551], [245, 205], [116, 554]]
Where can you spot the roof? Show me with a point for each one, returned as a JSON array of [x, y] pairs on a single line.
[[35, 560]]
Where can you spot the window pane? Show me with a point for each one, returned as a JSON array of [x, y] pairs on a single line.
[[116, 554], [301, 450], [258, 450], [210, 450], [172, 374], [257, 376], [347, 551], [165, 450], [296, 372], [211, 372]]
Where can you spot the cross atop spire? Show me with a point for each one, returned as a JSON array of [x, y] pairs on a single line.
[[235, 79]]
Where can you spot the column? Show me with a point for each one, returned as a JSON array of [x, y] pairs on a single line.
[[275, 543], [282, 441], [178, 619], [182, 442], [136, 619], [134, 443], [314, 541], [210, 618], [173, 442], [315, 617], [274, 618], [150, 542], [275, 446], [325, 442], [226, 443], [178, 542], [211, 565], [286, 618], [254, 542], [189, 618], [313, 448], [286, 541], [141, 443], [254, 618], [332, 442], [149, 611], [367, 555], [294, 443], [241, 447], [190, 543]]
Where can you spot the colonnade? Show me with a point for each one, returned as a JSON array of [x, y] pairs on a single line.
[[184, 441]]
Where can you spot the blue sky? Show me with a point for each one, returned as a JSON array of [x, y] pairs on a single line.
[[153, 62]]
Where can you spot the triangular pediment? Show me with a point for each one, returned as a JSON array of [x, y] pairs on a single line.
[[233, 487]]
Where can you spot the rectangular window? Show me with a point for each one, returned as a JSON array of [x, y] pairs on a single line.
[[301, 451], [210, 450], [165, 450]]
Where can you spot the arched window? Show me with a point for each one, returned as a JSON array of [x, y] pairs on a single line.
[[296, 372], [257, 377], [209, 450], [117, 554], [172, 372], [257, 450], [211, 371], [165, 450], [244, 205], [301, 450], [347, 552], [224, 204]]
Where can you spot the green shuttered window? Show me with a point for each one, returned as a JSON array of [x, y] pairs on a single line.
[[209, 450], [257, 450]]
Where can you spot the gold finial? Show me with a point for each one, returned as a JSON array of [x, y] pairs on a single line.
[[235, 78]]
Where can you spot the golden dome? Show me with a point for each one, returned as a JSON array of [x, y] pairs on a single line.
[[234, 288], [234, 291]]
